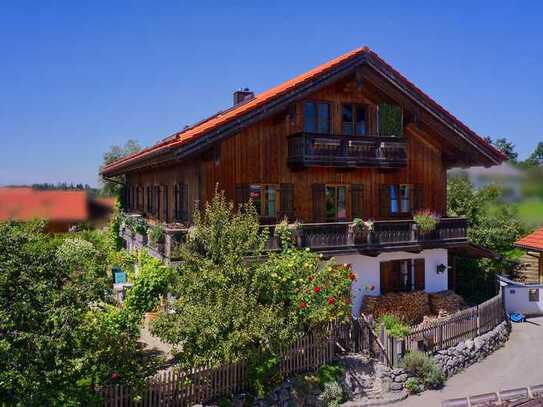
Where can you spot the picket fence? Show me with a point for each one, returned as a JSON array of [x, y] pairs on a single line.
[[197, 386], [447, 332], [180, 388]]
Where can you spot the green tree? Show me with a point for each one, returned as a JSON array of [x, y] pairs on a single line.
[[233, 301], [493, 225], [505, 146], [112, 187], [536, 158], [58, 334]]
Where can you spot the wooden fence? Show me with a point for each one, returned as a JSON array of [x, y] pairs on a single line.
[[204, 384], [442, 334]]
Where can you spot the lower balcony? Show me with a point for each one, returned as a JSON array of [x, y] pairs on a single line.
[[386, 235], [325, 150]]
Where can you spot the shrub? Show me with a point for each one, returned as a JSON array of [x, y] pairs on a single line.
[[412, 385], [394, 326], [332, 395], [263, 374], [424, 367], [329, 373], [156, 234], [136, 224], [426, 221]]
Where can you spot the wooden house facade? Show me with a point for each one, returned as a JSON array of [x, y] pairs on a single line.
[[349, 139]]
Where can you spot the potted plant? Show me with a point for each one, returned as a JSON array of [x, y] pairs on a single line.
[[157, 238], [139, 228], [358, 225], [426, 221]]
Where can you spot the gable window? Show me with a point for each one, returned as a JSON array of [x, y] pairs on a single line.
[[317, 117], [335, 200], [533, 294], [353, 120]]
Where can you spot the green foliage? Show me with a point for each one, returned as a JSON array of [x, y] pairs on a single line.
[[390, 120], [263, 374], [329, 373], [425, 368], [57, 341], [536, 158], [156, 234], [230, 306], [332, 395], [136, 224], [508, 148], [113, 187], [412, 385], [114, 227], [493, 225], [394, 326], [426, 221]]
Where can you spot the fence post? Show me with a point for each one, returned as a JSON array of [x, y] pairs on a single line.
[[478, 321]]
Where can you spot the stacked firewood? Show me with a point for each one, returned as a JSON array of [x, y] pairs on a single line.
[[446, 302], [409, 307]]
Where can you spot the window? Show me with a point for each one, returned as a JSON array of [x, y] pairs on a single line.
[[165, 206], [181, 203], [533, 294], [256, 196], [335, 199], [399, 199], [265, 199], [317, 117], [402, 275], [353, 120]]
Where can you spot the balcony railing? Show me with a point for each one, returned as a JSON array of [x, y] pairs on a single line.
[[310, 149], [386, 235]]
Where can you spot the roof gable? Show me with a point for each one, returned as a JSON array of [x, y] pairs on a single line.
[[225, 123]]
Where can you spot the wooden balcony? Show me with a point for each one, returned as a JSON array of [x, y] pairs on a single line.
[[309, 149], [388, 235]]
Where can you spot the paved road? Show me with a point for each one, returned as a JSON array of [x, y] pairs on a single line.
[[518, 364]]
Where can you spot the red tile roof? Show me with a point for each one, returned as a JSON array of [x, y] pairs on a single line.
[[533, 241], [25, 204], [221, 118]]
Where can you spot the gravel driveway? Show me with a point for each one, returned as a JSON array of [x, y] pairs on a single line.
[[518, 364]]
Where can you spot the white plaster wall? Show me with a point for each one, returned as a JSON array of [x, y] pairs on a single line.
[[517, 300], [367, 271]]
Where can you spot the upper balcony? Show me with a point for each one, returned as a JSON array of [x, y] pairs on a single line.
[[326, 150]]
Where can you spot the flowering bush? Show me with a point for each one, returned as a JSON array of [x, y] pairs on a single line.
[[426, 220], [234, 300]]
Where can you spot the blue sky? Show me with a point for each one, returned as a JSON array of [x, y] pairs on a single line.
[[77, 77]]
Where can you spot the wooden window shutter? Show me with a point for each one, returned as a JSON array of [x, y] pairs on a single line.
[[181, 205], [419, 274], [318, 191], [384, 200], [418, 197], [385, 277], [242, 194], [357, 201], [156, 206], [286, 197], [165, 204], [149, 199]]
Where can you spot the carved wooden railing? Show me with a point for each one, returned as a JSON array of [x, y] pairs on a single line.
[[386, 233], [308, 149]]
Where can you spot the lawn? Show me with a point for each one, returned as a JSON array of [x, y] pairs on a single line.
[[531, 212]]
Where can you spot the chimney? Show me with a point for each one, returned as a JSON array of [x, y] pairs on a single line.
[[242, 95]]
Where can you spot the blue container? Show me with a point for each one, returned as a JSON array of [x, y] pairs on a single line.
[[119, 276]]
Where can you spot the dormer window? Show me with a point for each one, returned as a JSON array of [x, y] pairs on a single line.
[[317, 117], [353, 120]]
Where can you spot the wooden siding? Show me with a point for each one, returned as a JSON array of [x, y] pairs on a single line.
[[532, 270], [258, 154]]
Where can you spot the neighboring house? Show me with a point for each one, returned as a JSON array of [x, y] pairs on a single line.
[[505, 175], [61, 209], [531, 261], [351, 138]]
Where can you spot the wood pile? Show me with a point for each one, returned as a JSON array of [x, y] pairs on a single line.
[[446, 302], [409, 307]]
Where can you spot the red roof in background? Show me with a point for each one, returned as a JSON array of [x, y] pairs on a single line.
[[25, 204], [533, 241], [236, 112]]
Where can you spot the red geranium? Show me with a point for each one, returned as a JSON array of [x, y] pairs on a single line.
[[317, 289], [303, 304], [114, 376], [331, 300]]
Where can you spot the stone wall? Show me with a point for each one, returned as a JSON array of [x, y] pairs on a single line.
[[456, 358]]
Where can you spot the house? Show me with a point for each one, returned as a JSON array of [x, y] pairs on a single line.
[[61, 209], [351, 138], [532, 260]]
